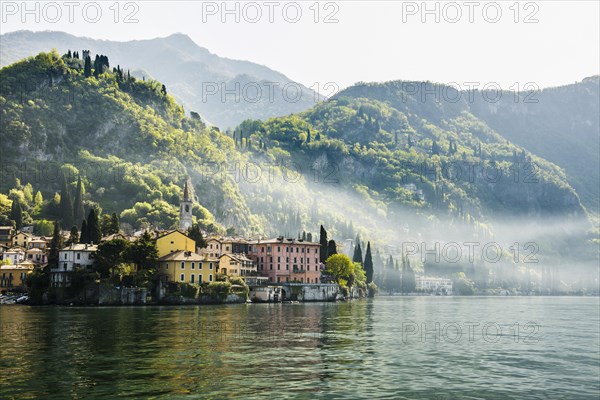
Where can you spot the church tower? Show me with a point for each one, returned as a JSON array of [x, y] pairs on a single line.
[[185, 210]]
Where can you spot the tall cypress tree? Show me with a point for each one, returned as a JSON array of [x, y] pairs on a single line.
[[93, 226], [55, 245], [87, 67], [78, 211], [357, 257], [16, 214], [66, 206], [331, 248], [324, 244], [85, 233], [114, 223], [369, 264]]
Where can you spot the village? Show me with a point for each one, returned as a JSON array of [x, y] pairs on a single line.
[[267, 269]]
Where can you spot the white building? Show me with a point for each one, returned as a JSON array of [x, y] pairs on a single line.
[[70, 258], [434, 285], [14, 254]]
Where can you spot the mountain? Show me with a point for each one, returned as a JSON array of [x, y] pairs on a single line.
[[393, 171], [559, 124], [195, 77]]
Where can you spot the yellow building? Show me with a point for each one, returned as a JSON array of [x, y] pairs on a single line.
[[237, 265], [188, 267], [22, 239], [174, 241], [12, 277]]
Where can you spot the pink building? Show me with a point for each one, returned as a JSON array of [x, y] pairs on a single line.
[[286, 260]]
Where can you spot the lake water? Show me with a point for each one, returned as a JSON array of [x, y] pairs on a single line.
[[388, 347]]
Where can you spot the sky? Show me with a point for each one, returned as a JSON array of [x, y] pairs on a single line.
[[329, 45]]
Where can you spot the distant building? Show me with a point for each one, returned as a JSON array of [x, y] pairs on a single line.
[[187, 267], [71, 258], [14, 254], [237, 265], [174, 241], [13, 277], [216, 247], [434, 285], [287, 260], [6, 235], [185, 210], [22, 239], [36, 256]]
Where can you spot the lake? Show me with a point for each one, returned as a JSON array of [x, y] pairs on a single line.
[[387, 347]]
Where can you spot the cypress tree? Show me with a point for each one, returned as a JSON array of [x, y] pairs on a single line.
[[85, 233], [93, 226], [308, 136], [357, 257], [78, 203], [87, 67], [73, 236], [331, 248], [369, 264], [324, 244], [309, 237], [16, 214], [114, 223], [66, 206], [55, 245]]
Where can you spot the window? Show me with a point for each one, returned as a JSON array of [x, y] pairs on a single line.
[[193, 266], [272, 267], [199, 265], [210, 277], [278, 248], [297, 249], [303, 249], [183, 265], [79, 256], [64, 265], [192, 278], [262, 249], [199, 278], [278, 279], [65, 256], [182, 278], [278, 259], [210, 267], [269, 249], [277, 267]]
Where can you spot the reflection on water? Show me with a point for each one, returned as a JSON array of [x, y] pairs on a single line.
[[401, 347]]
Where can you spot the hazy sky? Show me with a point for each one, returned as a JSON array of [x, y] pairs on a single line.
[[545, 42]]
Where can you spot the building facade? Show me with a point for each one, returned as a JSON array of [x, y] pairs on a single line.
[[71, 258], [188, 267], [237, 265], [287, 260], [174, 241], [427, 284]]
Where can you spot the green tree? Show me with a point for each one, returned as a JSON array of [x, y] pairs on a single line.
[[87, 67], [16, 214], [55, 245], [66, 205], [369, 264], [79, 213], [93, 226], [331, 248], [110, 256], [73, 236], [195, 234], [143, 252], [324, 245], [357, 257], [85, 233], [340, 268]]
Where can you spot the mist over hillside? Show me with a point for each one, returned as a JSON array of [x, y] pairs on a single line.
[[387, 169]]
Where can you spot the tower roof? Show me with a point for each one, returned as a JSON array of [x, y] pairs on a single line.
[[186, 192]]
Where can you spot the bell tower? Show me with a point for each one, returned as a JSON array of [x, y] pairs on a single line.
[[185, 210]]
